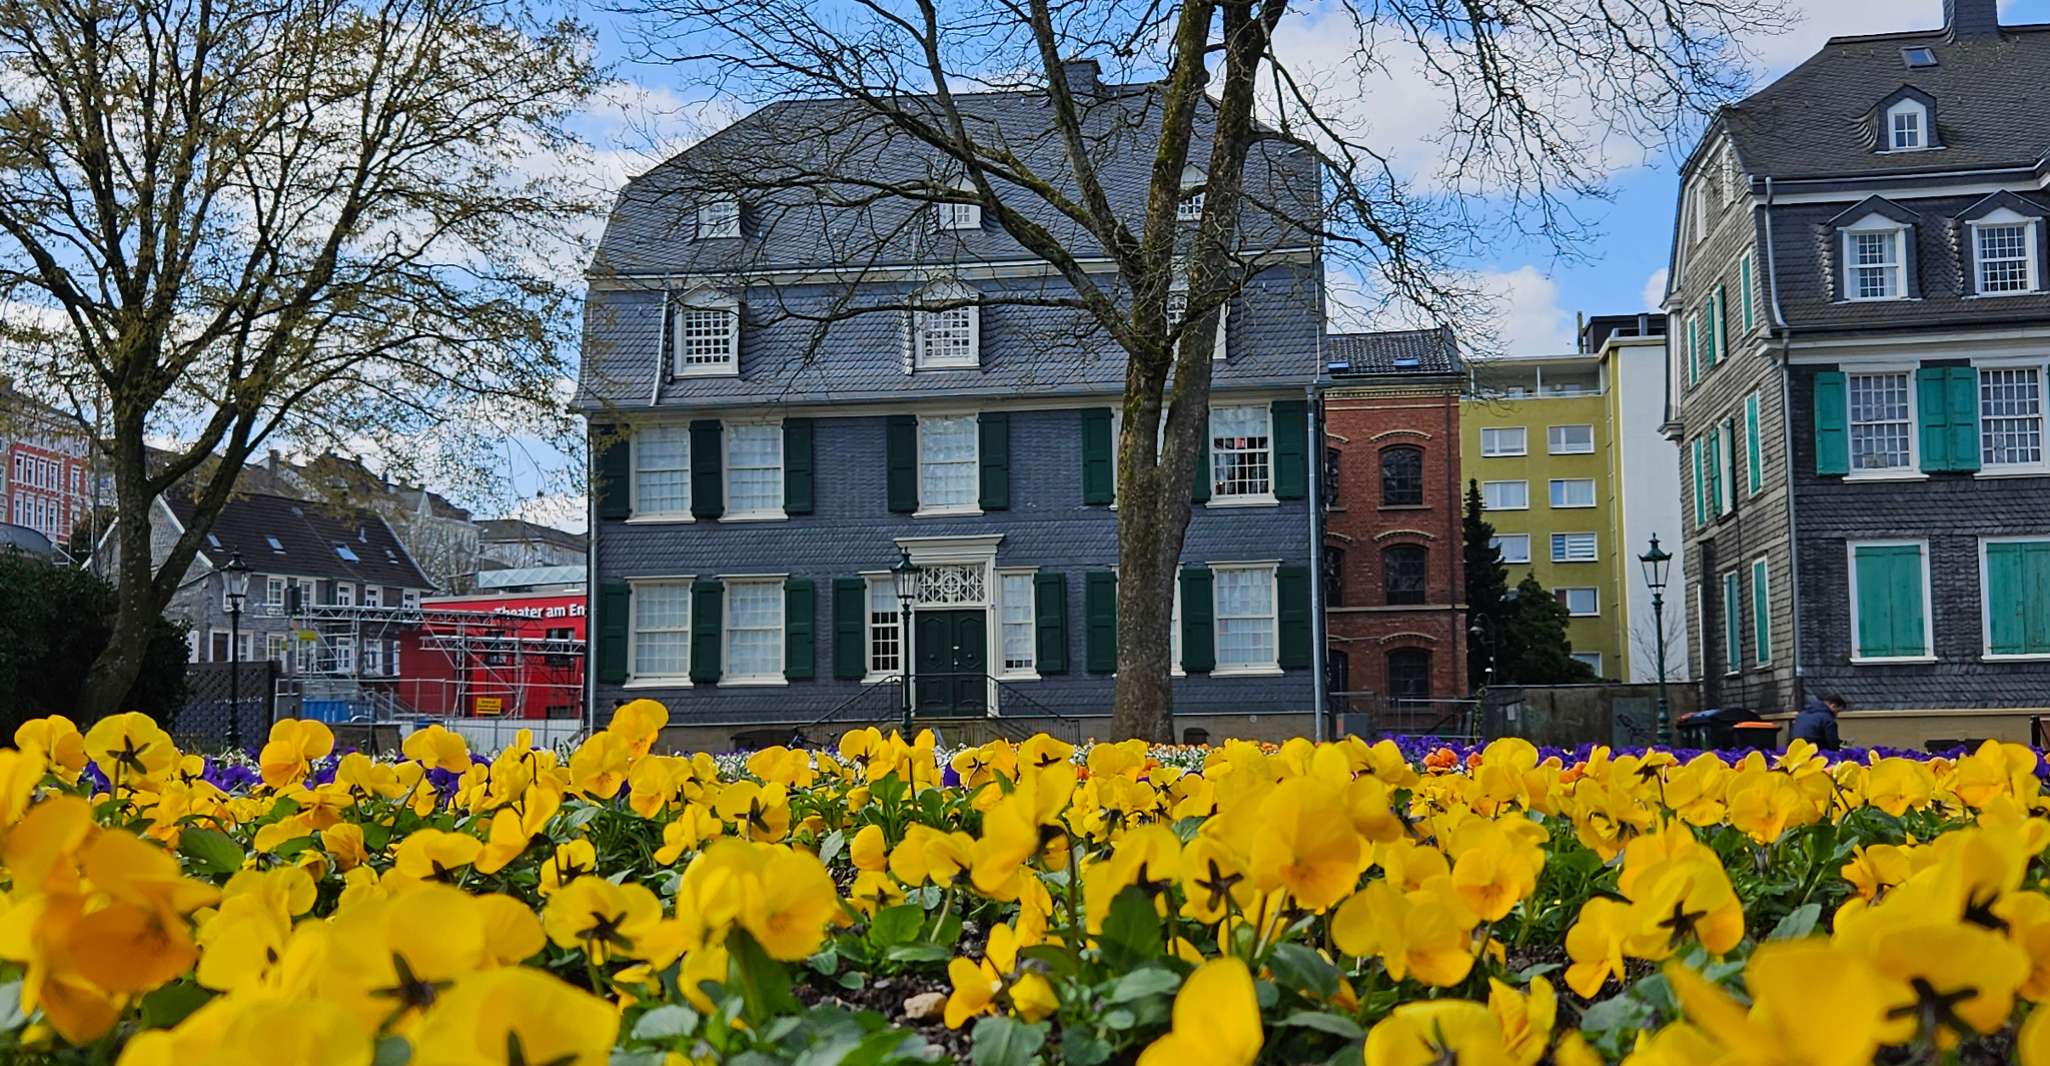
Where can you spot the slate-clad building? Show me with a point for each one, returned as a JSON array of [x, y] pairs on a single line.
[[789, 386], [1861, 336]]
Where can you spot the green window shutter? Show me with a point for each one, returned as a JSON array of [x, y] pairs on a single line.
[[1292, 612], [1890, 605], [1832, 430], [1761, 612], [1754, 450], [1932, 417], [993, 432], [707, 608], [707, 481], [797, 466], [1961, 391], [1700, 488], [1199, 626], [850, 628], [1720, 322], [614, 466], [1744, 300], [615, 606], [900, 458], [1733, 623], [1100, 617], [1712, 457], [1872, 635], [1291, 449], [1687, 328], [1908, 637], [2007, 597], [1099, 456], [800, 641], [2036, 633], [1050, 622]]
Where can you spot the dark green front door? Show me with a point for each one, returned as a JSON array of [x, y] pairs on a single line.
[[952, 664]]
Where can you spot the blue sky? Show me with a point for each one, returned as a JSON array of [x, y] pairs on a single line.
[[654, 109]]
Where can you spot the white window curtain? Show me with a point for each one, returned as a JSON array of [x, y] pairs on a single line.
[[754, 630], [1240, 452], [946, 463], [661, 629], [1880, 422], [754, 469], [1017, 606], [1245, 617], [662, 470]]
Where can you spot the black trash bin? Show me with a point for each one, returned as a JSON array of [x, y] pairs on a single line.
[[1724, 728]]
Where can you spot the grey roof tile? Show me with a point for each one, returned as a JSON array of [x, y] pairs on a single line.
[[1402, 351]]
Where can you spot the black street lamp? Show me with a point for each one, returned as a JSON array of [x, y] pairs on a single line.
[[235, 576], [905, 574], [1656, 562]]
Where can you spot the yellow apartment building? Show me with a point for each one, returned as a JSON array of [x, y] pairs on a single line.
[[1576, 478]]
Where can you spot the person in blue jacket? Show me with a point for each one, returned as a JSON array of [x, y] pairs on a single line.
[[1816, 723]]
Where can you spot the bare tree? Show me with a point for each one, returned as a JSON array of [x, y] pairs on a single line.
[[1531, 89], [232, 222]]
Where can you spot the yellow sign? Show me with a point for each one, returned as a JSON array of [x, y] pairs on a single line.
[[490, 705]]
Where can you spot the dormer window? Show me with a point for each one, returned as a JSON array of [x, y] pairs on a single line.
[[706, 334], [1190, 207], [1906, 122], [2000, 241], [946, 338], [958, 216], [1874, 257], [719, 218]]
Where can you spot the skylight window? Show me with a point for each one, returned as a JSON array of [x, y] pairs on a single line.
[[1408, 361], [347, 553], [1919, 56], [213, 541], [274, 545]]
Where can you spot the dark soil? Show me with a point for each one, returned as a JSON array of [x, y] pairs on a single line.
[[886, 996]]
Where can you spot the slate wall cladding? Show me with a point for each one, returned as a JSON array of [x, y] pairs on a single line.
[[851, 530], [1952, 511]]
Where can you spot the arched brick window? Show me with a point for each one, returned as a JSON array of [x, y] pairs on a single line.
[[1402, 476], [1403, 568]]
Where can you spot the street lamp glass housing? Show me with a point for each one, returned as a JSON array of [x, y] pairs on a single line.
[[236, 574], [1656, 562], [905, 574]]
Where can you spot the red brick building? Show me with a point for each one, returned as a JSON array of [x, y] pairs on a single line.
[[44, 481], [1394, 576]]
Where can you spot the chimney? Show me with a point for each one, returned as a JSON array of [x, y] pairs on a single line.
[[1971, 18], [1082, 75], [270, 462]]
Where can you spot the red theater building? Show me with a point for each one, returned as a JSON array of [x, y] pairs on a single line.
[[496, 655], [1394, 574]]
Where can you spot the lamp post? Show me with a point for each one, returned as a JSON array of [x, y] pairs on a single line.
[[1655, 562], [235, 576], [1480, 632], [905, 574]]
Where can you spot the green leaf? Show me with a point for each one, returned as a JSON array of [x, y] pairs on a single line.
[[1080, 1047], [1131, 931], [890, 1045], [1006, 1042], [1336, 1024], [917, 953], [1617, 1014], [1119, 1018], [1143, 982], [763, 983], [896, 925], [668, 1022], [169, 1005], [1301, 968], [11, 1017], [392, 1051], [213, 850], [1799, 923], [1052, 956], [1534, 971], [829, 848]]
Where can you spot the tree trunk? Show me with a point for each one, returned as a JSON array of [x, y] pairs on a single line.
[[136, 605], [1149, 543]]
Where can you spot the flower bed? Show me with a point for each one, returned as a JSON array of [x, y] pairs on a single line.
[[879, 903]]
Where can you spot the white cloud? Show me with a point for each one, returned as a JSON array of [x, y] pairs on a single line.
[[567, 511], [1527, 316], [1655, 290]]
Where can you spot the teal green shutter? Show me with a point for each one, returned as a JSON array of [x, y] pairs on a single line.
[[1908, 638], [1761, 612], [1832, 416], [1099, 456], [993, 447], [1721, 325], [1744, 278], [1733, 623], [1291, 449], [1754, 451], [850, 628], [707, 481], [614, 466], [1962, 414], [707, 608], [1292, 611], [1712, 444], [797, 466], [1700, 488], [1100, 619], [1199, 489], [2017, 581], [2036, 633], [1890, 604], [1691, 327], [800, 641], [1050, 622], [1199, 626], [615, 606], [900, 459], [1932, 417]]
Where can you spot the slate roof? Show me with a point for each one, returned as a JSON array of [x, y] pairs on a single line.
[[1818, 120], [521, 531], [1402, 351], [308, 535]]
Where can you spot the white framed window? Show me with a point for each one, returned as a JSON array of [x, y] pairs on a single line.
[[1499, 441], [1505, 495], [373, 657], [885, 628], [948, 452], [277, 648], [719, 218], [1573, 547], [754, 470], [1907, 126], [2010, 418], [1245, 619], [661, 471], [274, 591], [1697, 208], [754, 631], [1889, 596], [706, 335], [1178, 309], [1733, 623], [1514, 547], [2013, 571], [1016, 638], [946, 338], [1573, 492], [411, 599], [345, 594], [2004, 254], [1580, 602], [1241, 453], [950, 215], [1875, 258], [1190, 207], [1881, 421], [658, 645], [1570, 440], [344, 658], [1593, 659], [373, 595]]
